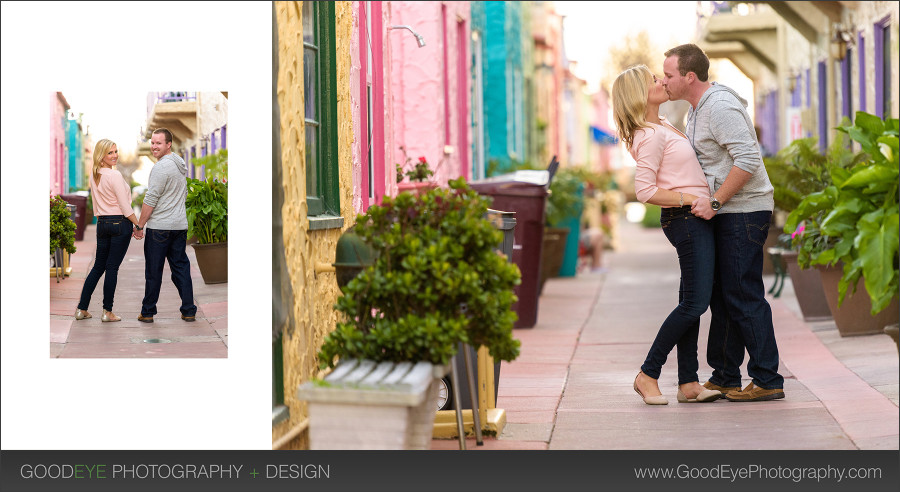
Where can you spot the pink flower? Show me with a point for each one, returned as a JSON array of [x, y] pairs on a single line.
[[799, 231]]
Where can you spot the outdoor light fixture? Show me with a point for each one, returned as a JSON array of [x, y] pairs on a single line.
[[419, 38], [840, 41]]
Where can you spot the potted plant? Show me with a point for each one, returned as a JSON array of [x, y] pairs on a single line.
[[62, 234], [417, 176], [436, 281], [797, 171], [850, 230], [207, 214]]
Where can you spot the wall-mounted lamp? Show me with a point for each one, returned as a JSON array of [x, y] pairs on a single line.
[[419, 38], [840, 41]]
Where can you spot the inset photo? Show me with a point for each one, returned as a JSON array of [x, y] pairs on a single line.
[[138, 224]]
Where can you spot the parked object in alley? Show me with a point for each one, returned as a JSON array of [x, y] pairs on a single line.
[[525, 193]]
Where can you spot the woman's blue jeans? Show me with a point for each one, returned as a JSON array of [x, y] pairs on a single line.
[[694, 241], [113, 237]]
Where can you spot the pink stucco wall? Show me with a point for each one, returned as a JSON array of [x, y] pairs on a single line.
[[57, 137], [417, 74]]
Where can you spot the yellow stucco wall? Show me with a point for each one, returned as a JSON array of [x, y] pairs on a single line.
[[314, 294]]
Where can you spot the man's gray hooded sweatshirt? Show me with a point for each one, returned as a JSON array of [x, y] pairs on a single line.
[[166, 193], [722, 135]]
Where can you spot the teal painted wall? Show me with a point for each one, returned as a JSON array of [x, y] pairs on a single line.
[[74, 142], [503, 99]]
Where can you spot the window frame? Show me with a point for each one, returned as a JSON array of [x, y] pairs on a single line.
[[325, 200]]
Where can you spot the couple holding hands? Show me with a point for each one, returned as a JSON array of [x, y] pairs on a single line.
[[717, 203], [163, 215]]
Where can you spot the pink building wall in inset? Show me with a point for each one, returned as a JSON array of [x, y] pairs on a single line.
[[58, 115]]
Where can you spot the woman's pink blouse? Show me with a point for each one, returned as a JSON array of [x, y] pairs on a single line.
[[111, 196], [665, 159]]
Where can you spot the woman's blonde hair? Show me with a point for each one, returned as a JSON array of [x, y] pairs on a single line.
[[100, 151], [629, 97]]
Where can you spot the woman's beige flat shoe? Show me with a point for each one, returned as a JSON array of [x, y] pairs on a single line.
[[79, 314], [650, 400], [109, 316], [705, 396]]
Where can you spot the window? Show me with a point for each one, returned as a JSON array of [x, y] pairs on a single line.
[[861, 53], [478, 169], [823, 107], [371, 83], [883, 67], [846, 86], [320, 108]]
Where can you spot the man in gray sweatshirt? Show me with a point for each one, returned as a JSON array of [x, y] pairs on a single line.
[[723, 137], [165, 217]]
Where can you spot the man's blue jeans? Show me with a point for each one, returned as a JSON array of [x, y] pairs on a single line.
[[694, 242], [113, 236], [741, 316], [161, 245]]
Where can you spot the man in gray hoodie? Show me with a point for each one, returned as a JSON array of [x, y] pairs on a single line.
[[724, 139], [165, 218]]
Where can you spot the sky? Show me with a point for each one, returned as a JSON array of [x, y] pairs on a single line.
[[116, 113], [590, 28]]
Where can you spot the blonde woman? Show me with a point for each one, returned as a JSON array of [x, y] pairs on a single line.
[[669, 175], [112, 206]]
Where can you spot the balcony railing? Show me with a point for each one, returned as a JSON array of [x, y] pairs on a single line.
[[164, 97]]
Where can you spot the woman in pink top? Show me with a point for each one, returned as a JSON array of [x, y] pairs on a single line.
[[112, 206], [669, 175]]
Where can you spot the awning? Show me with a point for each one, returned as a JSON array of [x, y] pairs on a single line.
[[603, 137]]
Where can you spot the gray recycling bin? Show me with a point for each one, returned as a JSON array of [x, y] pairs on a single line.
[[506, 222]]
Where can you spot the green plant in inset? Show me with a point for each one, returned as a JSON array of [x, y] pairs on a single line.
[[854, 220], [62, 227], [437, 280], [207, 210]]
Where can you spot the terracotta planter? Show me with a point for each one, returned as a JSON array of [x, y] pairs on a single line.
[[808, 288], [417, 188], [212, 260], [893, 331], [553, 253], [854, 316]]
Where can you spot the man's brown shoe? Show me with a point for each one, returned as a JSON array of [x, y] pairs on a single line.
[[755, 393], [145, 319], [723, 389]]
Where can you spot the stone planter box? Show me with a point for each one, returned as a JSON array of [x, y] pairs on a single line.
[[808, 288], [369, 405], [854, 316]]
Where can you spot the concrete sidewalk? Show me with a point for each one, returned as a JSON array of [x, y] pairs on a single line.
[[571, 387], [90, 338]]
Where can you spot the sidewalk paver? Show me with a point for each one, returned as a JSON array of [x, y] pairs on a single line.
[[167, 336], [571, 387]]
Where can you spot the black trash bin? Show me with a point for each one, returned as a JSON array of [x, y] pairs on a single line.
[[525, 193], [506, 222], [80, 203]]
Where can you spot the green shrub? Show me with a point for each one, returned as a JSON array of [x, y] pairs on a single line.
[[437, 280], [62, 228]]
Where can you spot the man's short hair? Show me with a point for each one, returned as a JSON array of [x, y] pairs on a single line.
[[165, 132], [691, 59]]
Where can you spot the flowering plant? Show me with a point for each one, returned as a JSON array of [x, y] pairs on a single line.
[[207, 210], [855, 219]]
